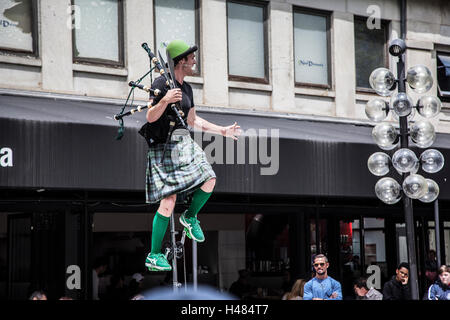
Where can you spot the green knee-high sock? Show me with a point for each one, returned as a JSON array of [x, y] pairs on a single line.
[[160, 223], [198, 200]]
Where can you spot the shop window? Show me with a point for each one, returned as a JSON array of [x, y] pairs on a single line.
[[267, 243], [247, 41], [402, 248], [19, 251], [374, 243], [18, 26], [98, 32], [3, 255], [443, 76], [311, 48], [267, 254], [318, 238], [177, 19], [370, 50], [350, 253]]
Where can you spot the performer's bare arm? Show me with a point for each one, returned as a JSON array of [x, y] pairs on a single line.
[[172, 96], [195, 121]]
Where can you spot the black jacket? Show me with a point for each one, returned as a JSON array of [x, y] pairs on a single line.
[[395, 290]]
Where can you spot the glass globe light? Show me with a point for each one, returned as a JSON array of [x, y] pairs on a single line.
[[416, 168], [430, 106], [422, 133], [382, 81], [402, 104], [384, 135], [376, 110], [415, 186], [404, 160], [419, 78], [409, 117], [388, 190], [379, 163], [433, 192], [432, 160]]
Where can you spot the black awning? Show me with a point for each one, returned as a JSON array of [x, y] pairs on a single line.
[[60, 143], [65, 144]]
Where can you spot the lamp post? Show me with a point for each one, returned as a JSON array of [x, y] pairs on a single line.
[[404, 160]]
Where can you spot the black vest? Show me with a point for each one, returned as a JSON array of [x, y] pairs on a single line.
[[157, 132]]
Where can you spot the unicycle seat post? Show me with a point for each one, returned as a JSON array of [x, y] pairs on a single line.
[[183, 237]]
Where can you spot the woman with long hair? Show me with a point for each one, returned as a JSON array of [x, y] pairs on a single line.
[[296, 292]]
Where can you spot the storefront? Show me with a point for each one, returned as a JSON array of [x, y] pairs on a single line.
[[70, 192]]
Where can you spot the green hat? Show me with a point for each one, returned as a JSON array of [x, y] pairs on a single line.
[[178, 49]]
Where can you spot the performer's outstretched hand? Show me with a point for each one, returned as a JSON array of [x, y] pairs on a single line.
[[232, 131]]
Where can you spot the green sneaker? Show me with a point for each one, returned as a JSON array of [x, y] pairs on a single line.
[[192, 227], [157, 262]]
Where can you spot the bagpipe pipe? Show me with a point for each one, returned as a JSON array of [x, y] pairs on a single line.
[[154, 92], [162, 67]]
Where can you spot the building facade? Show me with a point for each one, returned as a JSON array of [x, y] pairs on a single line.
[[293, 74]]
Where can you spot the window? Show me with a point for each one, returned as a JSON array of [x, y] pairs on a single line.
[[177, 19], [247, 41], [443, 76], [370, 50], [311, 48], [18, 26], [98, 34]]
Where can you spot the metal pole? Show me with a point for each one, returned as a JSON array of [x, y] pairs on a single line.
[[437, 232], [318, 249], [194, 264], [362, 252], [86, 229], [407, 202], [174, 259], [403, 18]]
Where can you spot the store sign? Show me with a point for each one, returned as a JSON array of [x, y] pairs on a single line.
[[6, 24], [6, 157], [309, 63]]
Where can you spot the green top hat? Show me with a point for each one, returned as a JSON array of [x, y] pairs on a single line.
[[178, 49]]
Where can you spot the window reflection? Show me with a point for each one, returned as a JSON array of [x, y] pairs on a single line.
[[97, 34], [370, 50], [246, 40], [310, 48], [16, 25]]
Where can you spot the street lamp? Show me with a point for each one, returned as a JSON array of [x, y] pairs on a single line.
[[404, 160]]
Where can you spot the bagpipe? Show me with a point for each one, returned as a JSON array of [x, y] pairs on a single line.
[[167, 71]]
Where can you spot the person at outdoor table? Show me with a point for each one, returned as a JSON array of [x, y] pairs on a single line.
[[322, 286]]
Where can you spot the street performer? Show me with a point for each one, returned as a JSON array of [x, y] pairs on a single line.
[[184, 167]]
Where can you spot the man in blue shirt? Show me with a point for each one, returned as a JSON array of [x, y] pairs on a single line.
[[322, 287]]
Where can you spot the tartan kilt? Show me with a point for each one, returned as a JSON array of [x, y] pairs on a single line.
[[184, 168]]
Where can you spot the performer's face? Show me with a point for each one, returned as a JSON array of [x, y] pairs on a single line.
[[189, 65]]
